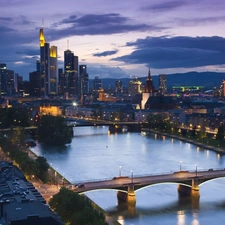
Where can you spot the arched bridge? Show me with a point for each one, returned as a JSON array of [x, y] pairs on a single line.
[[188, 183]]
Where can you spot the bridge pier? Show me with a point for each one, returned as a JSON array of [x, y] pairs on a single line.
[[129, 196], [192, 191]]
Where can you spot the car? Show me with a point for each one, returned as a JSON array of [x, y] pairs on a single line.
[[210, 170], [79, 185]]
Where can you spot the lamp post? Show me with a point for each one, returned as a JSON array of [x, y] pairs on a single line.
[[196, 170], [120, 171], [180, 165], [132, 176]]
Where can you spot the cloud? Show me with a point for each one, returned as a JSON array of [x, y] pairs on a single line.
[[96, 24], [165, 6], [105, 53], [199, 21], [176, 52]]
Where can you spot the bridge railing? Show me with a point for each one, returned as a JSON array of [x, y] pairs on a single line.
[[147, 175]]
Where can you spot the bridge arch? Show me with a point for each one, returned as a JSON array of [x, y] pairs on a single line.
[[137, 189], [209, 180]]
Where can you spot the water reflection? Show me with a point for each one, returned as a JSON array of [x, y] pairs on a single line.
[[93, 154]]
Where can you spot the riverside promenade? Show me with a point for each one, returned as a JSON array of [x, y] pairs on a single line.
[[48, 190], [199, 144]]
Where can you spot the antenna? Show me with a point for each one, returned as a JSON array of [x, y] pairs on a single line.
[[68, 43], [42, 22]]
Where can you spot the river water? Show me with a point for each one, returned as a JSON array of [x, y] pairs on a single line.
[[94, 155]]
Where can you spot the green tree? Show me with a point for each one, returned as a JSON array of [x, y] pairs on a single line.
[[76, 209], [53, 130], [42, 166]]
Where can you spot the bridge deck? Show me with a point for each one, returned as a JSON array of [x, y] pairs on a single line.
[[177, 177]]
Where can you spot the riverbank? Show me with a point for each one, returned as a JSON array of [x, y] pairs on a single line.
[[48, 190], [199, 144]]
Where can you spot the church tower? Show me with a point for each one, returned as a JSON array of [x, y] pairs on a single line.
[[149, 88]]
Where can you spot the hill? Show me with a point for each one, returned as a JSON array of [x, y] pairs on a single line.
[[207, 79]]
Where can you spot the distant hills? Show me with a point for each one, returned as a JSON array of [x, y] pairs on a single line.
[[206, 79]]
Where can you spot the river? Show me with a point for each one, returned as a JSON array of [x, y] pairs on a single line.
[[94, 155]]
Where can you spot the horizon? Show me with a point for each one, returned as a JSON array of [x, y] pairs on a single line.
[[117, 40]]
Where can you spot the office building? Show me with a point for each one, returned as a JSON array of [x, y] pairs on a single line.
[[48, 67], [71, 73], [53, 79], [7, 80], [134, 87], [34, 78], [97, 85], [61, 81], [84, 80], [162, 84], [119, 86]]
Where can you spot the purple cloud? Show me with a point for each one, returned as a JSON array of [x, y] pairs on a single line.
[[105, 53], [177, 52]]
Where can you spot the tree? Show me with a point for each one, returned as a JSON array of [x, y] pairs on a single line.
[[220, 133], [42, 166], [53, 130], [76, 209]]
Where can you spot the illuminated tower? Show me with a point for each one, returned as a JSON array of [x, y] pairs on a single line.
[[44, 64], [71, 73], [48, 67], [53, 81]]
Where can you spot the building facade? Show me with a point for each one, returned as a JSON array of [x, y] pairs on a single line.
[[48, 67], [71, 86], [84, 80], [162, 84]]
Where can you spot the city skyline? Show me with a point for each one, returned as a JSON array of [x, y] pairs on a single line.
[[116, 39]]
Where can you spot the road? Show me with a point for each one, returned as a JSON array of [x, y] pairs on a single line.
[[179, 176]]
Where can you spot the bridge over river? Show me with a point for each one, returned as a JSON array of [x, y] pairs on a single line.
[[188, 183]]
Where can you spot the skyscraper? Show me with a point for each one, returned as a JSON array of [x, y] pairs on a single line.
[[53, 79], [97, 85], [48, 67], [34, 78], [71, 73], [84, 80], [6, 80], [61, 81], [162, 84], [119, 86]]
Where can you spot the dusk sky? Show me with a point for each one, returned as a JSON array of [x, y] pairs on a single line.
[[119, 38]]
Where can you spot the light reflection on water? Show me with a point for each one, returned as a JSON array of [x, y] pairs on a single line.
[[94, 154]]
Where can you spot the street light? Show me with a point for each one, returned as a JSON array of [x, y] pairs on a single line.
[[132, 176], [196, 170], [180, 165], [120, 171]]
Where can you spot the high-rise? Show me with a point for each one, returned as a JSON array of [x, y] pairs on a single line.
[[71, 73], [162, 84], [48, 67], [6, 80], [84, 80]]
